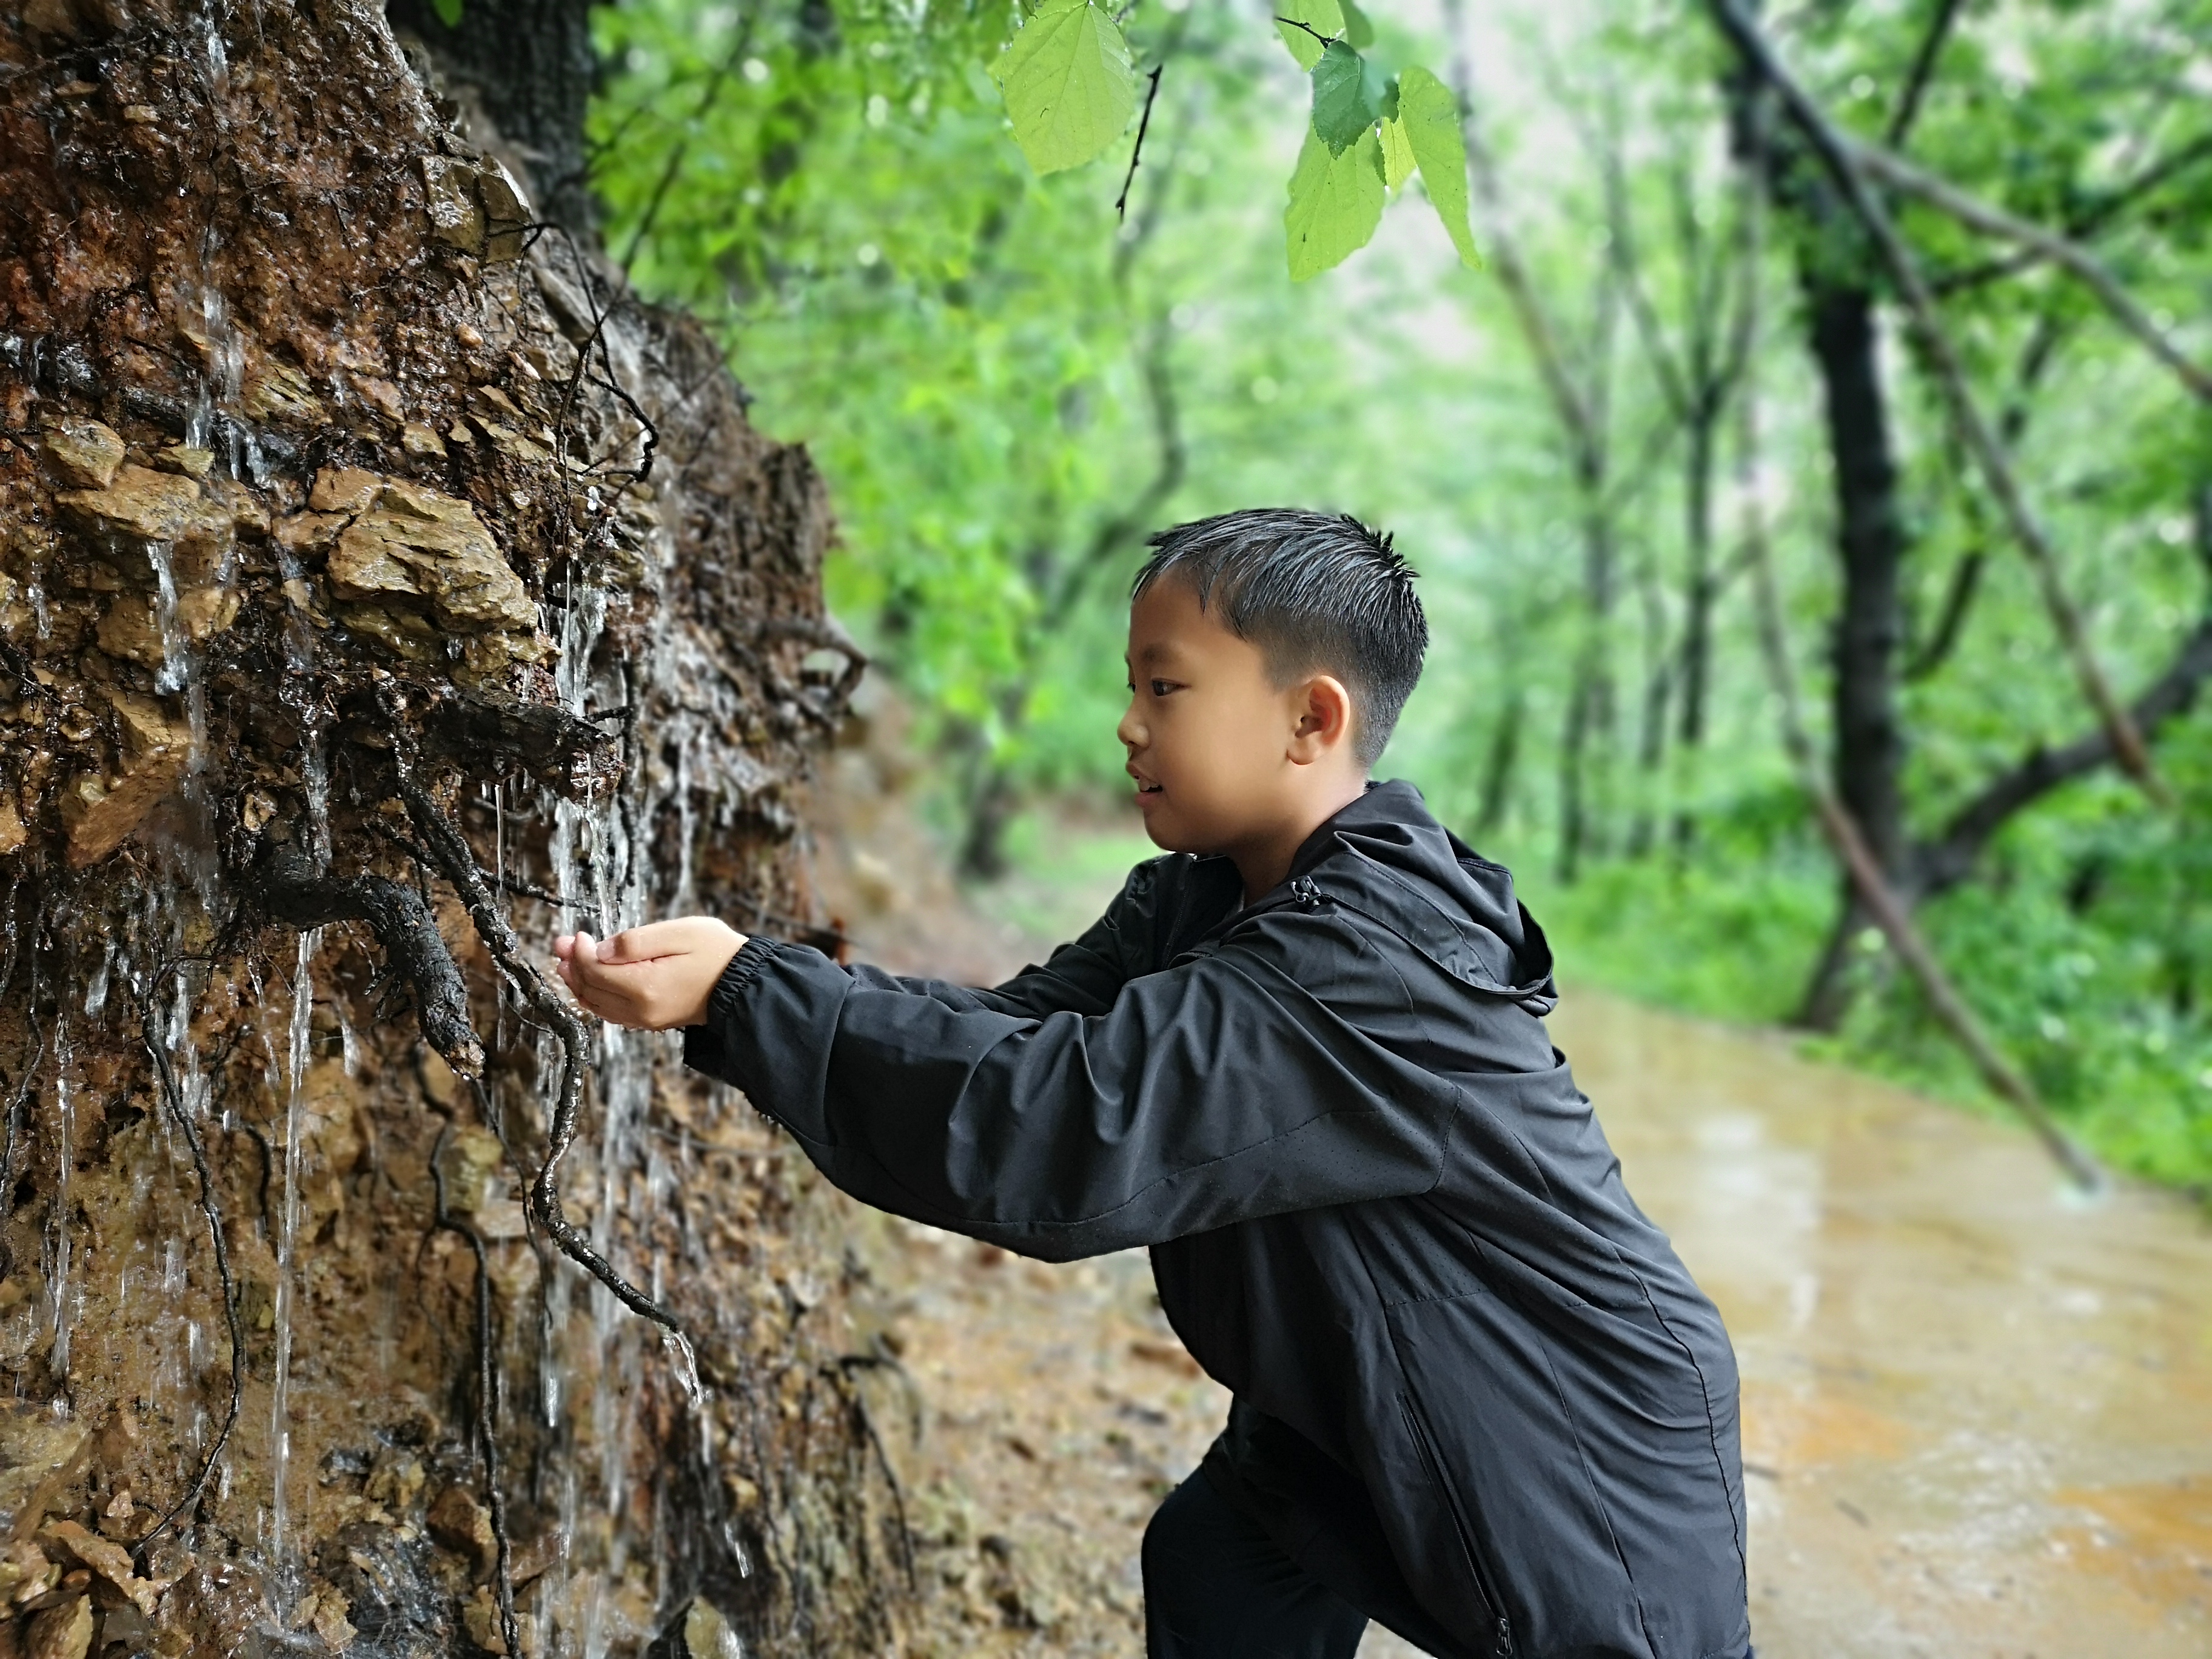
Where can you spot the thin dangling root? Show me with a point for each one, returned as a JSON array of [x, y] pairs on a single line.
[[449, 851]]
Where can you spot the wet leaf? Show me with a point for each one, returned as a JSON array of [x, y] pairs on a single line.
[[1430, 116], [1336, 202], [1358, 32], [1321, 17], [1069, 86], [1398, 163], [1347, 96]]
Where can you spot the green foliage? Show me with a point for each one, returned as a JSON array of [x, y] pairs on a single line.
[[1430, 117], [1306, 26], [1336, 202], [449, 12], [1347, 97], [1069, 88]]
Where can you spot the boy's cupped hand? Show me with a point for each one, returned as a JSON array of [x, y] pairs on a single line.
[[653, 978]]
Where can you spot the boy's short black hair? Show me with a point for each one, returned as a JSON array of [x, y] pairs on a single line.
[[1315, 592]]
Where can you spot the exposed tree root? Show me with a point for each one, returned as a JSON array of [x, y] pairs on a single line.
[[296, 891], [450, 853]]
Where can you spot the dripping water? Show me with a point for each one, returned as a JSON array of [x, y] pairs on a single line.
[[288, 1227]]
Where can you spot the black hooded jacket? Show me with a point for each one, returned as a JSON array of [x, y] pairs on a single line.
[[1476, 1391]]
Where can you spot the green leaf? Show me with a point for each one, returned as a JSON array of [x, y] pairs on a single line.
[[1336, 201], [449, 12], [1321, 16], [1398, 161], [1347, 96], [1358, 32], [1429, 115], [1069, 86]]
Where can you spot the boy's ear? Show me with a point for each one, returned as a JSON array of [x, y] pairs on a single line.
[[1324, 719]]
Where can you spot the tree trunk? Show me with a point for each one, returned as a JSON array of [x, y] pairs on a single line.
[[376, 575], [1870, 541]]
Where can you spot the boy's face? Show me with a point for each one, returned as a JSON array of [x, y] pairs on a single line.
[[1219, 753]]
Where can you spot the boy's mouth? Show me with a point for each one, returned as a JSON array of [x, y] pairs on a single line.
[[1146, 789]]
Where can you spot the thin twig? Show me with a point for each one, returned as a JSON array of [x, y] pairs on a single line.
[[1840, 156], [1137, 150], [211, 1209]]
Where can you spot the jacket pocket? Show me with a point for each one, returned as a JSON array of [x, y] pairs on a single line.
[[1500, 1631]]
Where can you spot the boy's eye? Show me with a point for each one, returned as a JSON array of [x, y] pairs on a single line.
[[1161, 688]]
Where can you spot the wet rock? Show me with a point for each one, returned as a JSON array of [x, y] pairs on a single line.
[[35, 1449], [84, 451], [62, 1633], [708, 1635], [343, 490], [186, 459], [422, 443], [12, 832], [457, 218], [131, 628], [99, 813], [463, 1526], [26, 1574], [154, 507], [309, 532], [275, 391], [417, 543], [506, 211], [109, 1560], [480, 1617], [330, 1622], [381, 395]]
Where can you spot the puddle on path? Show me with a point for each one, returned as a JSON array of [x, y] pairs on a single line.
[[1978, 1412]]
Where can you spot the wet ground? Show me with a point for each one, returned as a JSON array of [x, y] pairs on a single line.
[[1978, 1410]]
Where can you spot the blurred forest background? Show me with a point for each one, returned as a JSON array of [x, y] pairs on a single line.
[[1922, 358]]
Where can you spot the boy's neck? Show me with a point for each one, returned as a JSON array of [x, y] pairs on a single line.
[[1264, 859]]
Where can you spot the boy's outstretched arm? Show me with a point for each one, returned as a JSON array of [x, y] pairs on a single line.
[[1236, 1084]]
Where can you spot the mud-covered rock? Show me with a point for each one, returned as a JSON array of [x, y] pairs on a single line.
[[352, 643]]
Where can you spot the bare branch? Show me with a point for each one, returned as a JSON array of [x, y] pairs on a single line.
[[1977, 215], [1923, 70], [1840, 156], [1842, 831], [1946, 860]]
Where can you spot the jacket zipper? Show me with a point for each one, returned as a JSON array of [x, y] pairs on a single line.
[[1501, 1628]]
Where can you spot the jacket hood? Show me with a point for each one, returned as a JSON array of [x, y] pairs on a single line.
[[1386, 856]]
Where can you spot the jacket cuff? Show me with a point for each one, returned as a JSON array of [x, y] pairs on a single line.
[[703, 1048]]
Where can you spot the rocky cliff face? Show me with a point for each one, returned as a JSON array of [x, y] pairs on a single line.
[[381, 590]]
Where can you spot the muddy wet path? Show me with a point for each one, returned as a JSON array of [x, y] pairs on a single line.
[[1978, 1410]]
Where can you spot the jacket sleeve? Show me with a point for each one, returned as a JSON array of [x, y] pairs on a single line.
[[1235, 1086]]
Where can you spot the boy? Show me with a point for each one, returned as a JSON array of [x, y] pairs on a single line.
[[1477, 1397]]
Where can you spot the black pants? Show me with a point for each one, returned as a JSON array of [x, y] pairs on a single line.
[[1217, 1588]]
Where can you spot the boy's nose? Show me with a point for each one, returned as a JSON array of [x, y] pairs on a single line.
[[1130, 731]]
